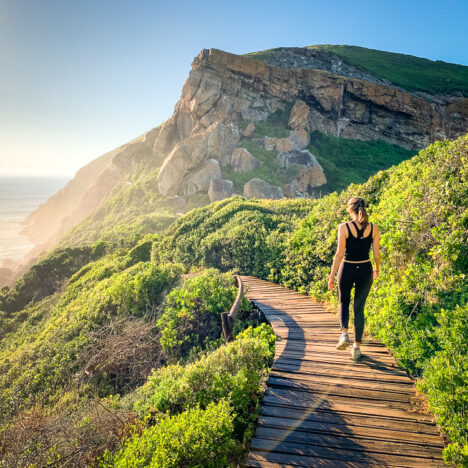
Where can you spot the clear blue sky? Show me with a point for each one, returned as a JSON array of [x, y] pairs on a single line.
[[80, 77]]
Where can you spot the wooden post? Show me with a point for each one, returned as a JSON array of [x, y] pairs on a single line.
[[227, 318], [227, 327]]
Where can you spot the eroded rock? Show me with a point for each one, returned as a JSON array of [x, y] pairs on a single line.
[[259, 188], [216, 142], [299, 115], [290, 191], [309, 171], [199, 179], [243, 161], [220, 189], [249, 129]]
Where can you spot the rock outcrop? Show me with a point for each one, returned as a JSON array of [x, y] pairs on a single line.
[[199, 179], [220, 189], [258, 188], [216, 142], [228, 87], [309, 171], [243, 161]]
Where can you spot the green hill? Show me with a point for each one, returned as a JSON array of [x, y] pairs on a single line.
[[407, 71]]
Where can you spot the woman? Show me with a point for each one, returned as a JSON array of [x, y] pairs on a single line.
[[354, 241]]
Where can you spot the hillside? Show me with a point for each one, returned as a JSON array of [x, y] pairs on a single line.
[[291, 121], [105, 298], [407, 72]]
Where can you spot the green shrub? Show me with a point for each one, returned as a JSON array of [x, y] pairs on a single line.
[[192, 312], [195, 437]]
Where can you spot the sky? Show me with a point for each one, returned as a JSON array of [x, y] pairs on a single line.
[[79, 78]]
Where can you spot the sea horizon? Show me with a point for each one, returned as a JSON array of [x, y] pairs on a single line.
[[20, 195]]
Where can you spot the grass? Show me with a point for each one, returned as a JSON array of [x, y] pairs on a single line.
[[407, 71], [268, 171], [352, 161]]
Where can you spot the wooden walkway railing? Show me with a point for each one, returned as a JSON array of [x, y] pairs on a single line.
[[322, 409]]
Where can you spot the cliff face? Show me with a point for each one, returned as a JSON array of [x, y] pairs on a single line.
[[223, 87]]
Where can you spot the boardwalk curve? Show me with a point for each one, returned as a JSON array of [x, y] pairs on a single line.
[[322, 409]]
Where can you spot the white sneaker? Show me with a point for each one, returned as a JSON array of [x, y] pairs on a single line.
[[343, 342], [356, 353]]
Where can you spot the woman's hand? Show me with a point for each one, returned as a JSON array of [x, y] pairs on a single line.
[[331, 283], [375, 273]]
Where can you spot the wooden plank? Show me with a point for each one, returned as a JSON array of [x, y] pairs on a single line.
[[407, 387], [293, 454], [337, 418], [327, 428], [347, 441], [321, 402], [339, 390]]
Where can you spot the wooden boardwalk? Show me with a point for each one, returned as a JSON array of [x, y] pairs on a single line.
[[321, 408]]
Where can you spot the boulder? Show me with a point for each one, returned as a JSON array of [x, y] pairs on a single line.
[[243, 161], [258, 188], [184, 124], [299, 115], [290, 191], [167, 137], [206, 95], [216, 142], [309, 171], [219, 112], [269, 143], [254, 114], [299, 138], [259, 141], [284, 144], [200, 178], [222, 139], [249, 129], [220, 189]]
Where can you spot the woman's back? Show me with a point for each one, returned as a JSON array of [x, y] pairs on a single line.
[[358, 245]]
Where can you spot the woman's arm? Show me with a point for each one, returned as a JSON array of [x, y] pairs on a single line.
[[338, 255], [376, 250]]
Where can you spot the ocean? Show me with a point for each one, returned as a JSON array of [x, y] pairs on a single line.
[[19, 196]]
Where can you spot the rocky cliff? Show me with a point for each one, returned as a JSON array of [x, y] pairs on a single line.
[[224, 89]]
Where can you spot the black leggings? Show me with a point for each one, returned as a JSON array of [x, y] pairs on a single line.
[[359, 274]]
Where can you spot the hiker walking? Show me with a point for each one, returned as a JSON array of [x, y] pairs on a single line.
[[354, 241]]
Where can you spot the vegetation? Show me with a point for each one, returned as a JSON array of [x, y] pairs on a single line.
[[204, 410], [406, 71], [179, 394], [346, 162], [63, 368]]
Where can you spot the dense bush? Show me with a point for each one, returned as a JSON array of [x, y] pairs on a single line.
[[191, 314], [227, 379], [40, 359], [240, 234], [47, 275], [195, 437]]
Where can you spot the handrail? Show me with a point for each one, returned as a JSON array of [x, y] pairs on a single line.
[[227, 318]]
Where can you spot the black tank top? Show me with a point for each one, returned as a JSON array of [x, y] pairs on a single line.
[[357, 248]]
